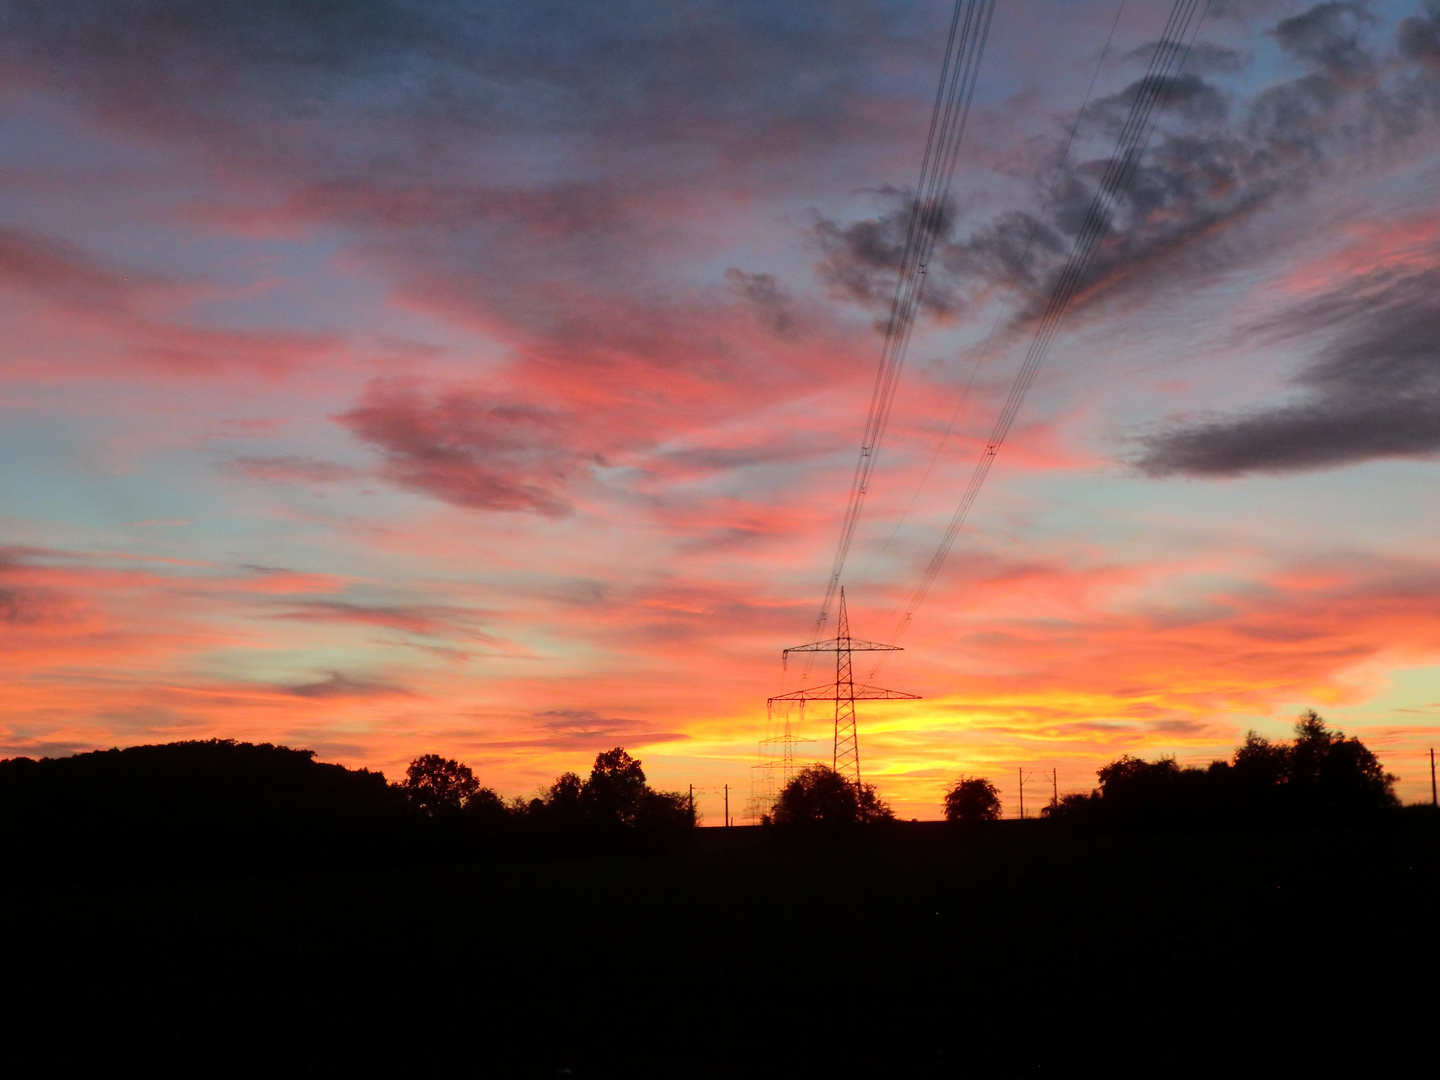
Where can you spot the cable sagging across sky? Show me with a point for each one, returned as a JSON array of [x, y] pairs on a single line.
[[969, 29], [1154, 90]]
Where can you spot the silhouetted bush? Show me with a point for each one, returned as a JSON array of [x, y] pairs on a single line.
[[818, 795], [1074, 807], [971, 799]]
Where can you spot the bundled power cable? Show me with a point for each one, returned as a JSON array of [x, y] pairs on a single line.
[[1150, 99], [969, 29]]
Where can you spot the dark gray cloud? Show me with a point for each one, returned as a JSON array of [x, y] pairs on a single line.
[[1419, 37], [1214, 161], [492, 63], [1185, 729], [1205, 56], [586, 729], [768, 296], [427, 113], [23, 607], [23, 604], [424, 619], [338, 685], [1331, 36], [1372, 392]]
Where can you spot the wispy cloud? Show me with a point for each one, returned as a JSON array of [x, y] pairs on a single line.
[[1373, 391]]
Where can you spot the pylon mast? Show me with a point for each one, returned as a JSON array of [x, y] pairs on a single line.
[[847, 746], [843, 691]]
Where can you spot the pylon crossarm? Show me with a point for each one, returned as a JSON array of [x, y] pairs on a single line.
[[848, 644], [878, 693], [834, 693], [813, 693]]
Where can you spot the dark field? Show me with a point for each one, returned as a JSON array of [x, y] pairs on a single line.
[[924, 951]]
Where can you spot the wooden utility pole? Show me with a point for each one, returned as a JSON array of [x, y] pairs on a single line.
[[1054, 787], [727, 806], [1021, 771], [1433, 801]]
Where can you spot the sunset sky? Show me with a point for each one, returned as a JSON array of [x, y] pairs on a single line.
[[386, 377]]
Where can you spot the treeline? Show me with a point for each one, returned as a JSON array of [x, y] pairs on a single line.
[[224, 804], [613, 800], [1319, 777]]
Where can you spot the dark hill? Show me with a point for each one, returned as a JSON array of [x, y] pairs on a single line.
[[187, 804]]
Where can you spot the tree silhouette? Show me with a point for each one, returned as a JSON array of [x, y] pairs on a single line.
[[564, 800], [665, 812], [818, 795], [1331, 774], [615, 790], [972, 798], [439, 785], [486, 810], [1259, 762]]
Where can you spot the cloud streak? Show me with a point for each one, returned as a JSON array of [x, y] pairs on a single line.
[[1372, 392], [77, 290]]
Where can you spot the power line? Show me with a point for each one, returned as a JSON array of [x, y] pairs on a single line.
[[969, 30], [1035, 224], [1155, 87]]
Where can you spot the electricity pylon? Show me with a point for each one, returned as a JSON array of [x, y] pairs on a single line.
[[843, 691]]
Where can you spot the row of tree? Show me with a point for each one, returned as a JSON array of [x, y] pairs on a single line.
[[614, 796], [223, 802], [1319, 776]]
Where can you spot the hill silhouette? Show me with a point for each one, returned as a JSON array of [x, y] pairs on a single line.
[[183, 804], [219, 804]]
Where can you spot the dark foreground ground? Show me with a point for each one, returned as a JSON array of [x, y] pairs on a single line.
[[1014, 950]]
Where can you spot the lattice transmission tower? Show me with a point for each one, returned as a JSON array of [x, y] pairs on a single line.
[[843, 691]]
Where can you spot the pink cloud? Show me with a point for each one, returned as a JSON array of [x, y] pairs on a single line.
[[467, 449], [80, 296]]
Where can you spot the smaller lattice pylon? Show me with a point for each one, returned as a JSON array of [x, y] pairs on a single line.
[[843, 691]]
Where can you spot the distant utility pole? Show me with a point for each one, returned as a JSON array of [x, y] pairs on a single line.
[[692, 804], [727, 806], [1021, 771], [1433, 801], [1054, 787]]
